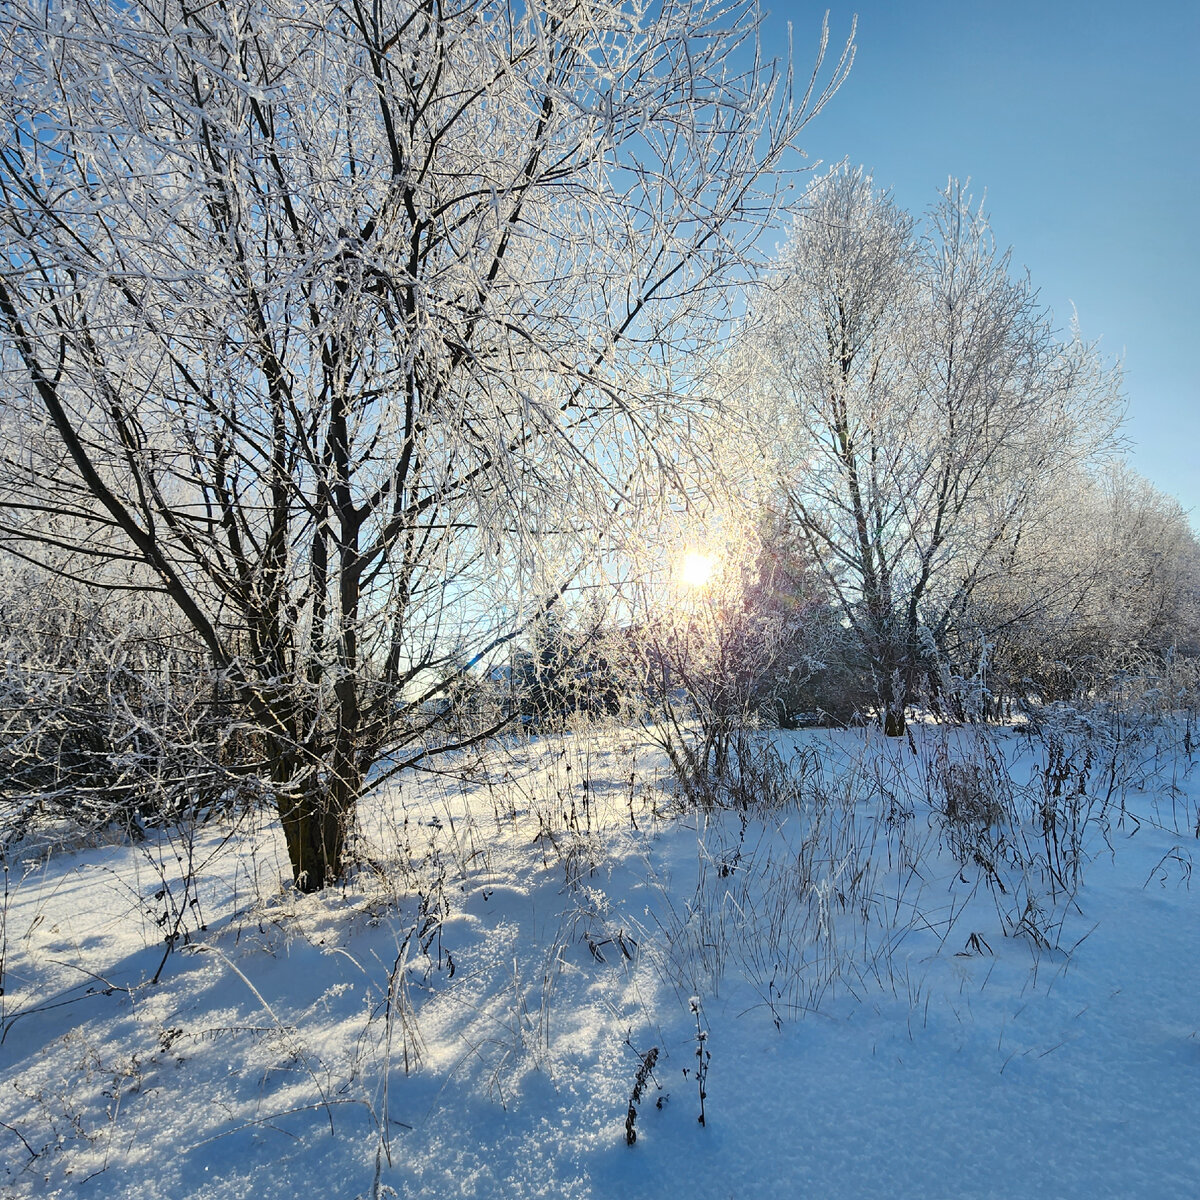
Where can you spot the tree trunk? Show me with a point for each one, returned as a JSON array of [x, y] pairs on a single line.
[[314, 826], [315, 812]]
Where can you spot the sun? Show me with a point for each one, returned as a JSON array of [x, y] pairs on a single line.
[[696, 569]]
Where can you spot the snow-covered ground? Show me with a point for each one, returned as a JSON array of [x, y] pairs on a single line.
[[882, 1001]]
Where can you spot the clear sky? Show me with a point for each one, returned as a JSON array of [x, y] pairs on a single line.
[[1082, 122]]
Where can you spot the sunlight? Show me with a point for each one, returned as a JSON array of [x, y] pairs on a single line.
[[696, 569]]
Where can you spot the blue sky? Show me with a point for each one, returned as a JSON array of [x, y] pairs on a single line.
[[1082, 122]]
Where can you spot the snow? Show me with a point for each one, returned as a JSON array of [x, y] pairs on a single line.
[[467, 1016]]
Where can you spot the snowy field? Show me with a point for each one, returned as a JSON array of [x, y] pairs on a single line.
[[961, 964]]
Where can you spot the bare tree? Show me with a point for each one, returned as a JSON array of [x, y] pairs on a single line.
[[358, 324], [917, 402]]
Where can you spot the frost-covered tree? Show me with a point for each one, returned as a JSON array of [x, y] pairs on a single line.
[[1108, 581], [363, 326], [915, 403]]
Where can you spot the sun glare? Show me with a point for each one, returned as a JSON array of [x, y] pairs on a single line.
[[696, 569]]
